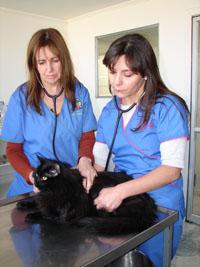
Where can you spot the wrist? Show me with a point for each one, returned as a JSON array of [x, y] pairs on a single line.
[[121, 192], [30, 177], [85, 159]]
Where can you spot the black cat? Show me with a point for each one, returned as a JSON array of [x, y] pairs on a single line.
[[62, 198]]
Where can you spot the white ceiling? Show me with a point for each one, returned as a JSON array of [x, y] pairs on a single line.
[[60, 9]]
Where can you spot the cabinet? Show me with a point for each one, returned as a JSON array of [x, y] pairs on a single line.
[[5, 171]]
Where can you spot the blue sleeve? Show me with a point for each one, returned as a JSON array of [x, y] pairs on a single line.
[[172, 121], [12, 129], [89, 120]]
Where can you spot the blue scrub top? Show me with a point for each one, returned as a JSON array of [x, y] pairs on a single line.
[[22, 124], [138, 153]]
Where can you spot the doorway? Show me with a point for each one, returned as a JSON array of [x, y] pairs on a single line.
[[193, 201]]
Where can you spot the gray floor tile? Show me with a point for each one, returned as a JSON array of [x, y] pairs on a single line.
[[188, 253]]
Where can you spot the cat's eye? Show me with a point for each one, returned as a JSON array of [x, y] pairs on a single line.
[[44, 178]]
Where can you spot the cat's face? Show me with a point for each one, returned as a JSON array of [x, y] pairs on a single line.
[[46, 173]]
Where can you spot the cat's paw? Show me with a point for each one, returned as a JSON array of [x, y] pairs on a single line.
[[33, 217], [26, 204]]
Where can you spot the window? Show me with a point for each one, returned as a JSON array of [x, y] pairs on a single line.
[[102, 44]]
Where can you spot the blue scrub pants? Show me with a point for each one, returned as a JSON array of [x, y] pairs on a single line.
[[154, 247]]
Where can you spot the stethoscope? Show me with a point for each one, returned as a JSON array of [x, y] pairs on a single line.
[[119, 115], [54, 98]]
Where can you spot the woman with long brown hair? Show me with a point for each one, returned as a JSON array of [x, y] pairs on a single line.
[[50, 115]]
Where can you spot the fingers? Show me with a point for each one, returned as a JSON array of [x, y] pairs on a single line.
[[89, 175], [101, 204], [85, 183], [35, 189], [97, 204], [88, 185], [88, 181], [108, 200], [31, 178]]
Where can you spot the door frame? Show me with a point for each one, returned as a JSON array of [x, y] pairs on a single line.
[[190, 216]]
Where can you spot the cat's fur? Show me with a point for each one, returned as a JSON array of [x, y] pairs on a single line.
[[62, 198]]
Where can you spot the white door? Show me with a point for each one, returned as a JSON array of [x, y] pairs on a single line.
[[193, 201]]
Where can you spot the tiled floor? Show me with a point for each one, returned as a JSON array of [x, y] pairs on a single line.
[[188, 254]]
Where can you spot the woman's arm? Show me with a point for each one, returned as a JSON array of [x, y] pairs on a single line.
[[155, 179], [18, 160], [111, 198], [86, 145], [172, 160], [86, 159]]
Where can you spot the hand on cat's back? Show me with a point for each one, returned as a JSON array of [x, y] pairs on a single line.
[[108, 199], [87, 170]]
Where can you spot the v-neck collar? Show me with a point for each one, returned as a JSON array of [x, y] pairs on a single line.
[[49, 111], [131, 118]]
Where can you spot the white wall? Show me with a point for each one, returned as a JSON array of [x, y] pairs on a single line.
[[16, 29], [174, 19]]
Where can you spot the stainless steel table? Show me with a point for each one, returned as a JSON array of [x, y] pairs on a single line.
[[49, 244]]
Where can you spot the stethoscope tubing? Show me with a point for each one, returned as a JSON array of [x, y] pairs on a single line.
[[54, 98], [119, 115]]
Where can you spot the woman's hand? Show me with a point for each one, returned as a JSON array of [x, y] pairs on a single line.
[[86, 170], [108, 199], [35, 189]]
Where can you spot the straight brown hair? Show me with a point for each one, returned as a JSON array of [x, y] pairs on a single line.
[[53, 39]]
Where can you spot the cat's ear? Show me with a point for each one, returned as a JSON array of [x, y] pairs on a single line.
[[57, 168], [41, 160], [54, 171]]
